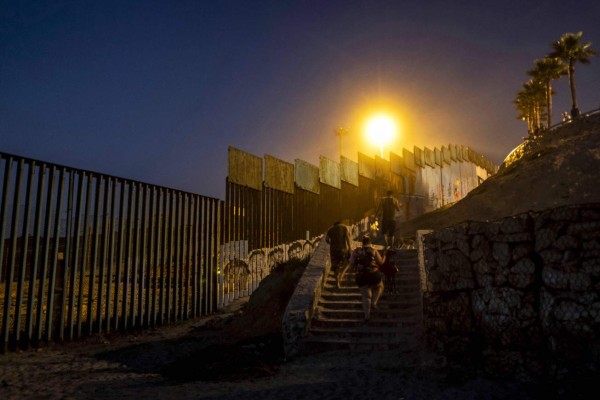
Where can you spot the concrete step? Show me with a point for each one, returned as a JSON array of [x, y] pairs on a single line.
[[397, 323], [383, 304], [402, 268], [404, 279], [363, 330], [403, 295], [351, 286], [414, 323], [396, 314], [326, 343], [338, 296], [406, 253], [350, 280]]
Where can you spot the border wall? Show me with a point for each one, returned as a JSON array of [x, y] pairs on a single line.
[[270, 201], [83, 252]]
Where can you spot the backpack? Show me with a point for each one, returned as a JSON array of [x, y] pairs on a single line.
[[389, 267], [365, 260]]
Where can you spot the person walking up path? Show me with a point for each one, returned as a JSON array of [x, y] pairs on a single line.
[[387, 208], [340, 247], [369, 279]]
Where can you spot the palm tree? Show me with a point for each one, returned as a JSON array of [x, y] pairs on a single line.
[[530, 102], [570, 50], [546, 70], [522, 105]]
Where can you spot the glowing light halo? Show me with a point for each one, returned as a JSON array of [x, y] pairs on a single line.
[[380, 130]]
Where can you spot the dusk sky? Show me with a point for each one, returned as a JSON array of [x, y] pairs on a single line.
[[156, 91]]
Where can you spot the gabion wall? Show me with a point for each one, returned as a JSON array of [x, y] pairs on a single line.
[[522, 293]]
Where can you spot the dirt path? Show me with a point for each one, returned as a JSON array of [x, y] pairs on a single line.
[[190, 360]]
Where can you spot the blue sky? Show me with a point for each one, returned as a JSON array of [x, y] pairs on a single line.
[[157, 90]]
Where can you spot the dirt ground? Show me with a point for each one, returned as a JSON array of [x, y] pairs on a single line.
[[237, 354]]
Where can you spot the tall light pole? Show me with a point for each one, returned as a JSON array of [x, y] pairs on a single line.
[[339, 133]]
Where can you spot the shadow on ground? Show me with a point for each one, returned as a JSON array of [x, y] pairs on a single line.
[[243, 341]]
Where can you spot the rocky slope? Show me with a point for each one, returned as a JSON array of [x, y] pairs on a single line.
[[562, 167]]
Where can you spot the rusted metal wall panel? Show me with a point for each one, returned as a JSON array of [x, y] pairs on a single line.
[[446, 155], [419, 157], [465, 152], [406, 181], [307, 176], [488, 165], [366, 197], [279, 175], [462, 153], [453, 155], [446, 181], [398, 183], [472, 156], [462, 171], [476, 158], [429, 156], [411, 181], [366, 166], [382, 168], [455, 177], [459, 151], [469, 177], [328, 209], [438, 156], [329, 172], [396, 163], [421, 184], [349, 171], [432, 181], [409, 159], [491, 167], [305, 215], [349, 202], [244, 169]]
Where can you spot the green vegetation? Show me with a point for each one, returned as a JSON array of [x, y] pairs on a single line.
[[569, 49], [546, 70], [534, 100]]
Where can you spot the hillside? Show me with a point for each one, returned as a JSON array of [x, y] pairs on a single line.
[[560, 168]]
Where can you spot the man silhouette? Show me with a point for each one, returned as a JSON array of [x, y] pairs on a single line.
[[340, 247], [387, 208]]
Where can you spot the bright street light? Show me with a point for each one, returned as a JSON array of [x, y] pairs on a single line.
[[380, 130]]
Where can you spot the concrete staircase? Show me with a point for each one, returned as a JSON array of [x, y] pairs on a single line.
[[338, 322]]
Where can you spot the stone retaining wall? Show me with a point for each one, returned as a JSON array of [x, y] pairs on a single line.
[[521, 294], [300, 309]]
